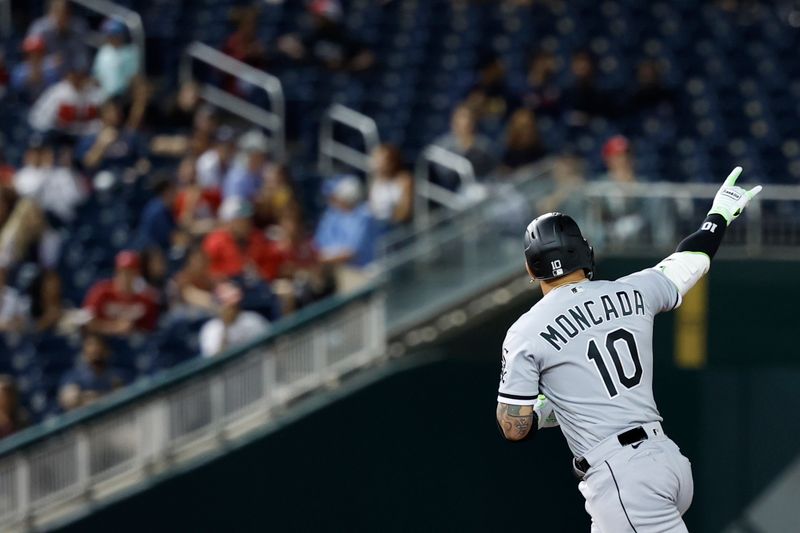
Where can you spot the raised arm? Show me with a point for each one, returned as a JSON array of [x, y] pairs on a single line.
[[692, 258]]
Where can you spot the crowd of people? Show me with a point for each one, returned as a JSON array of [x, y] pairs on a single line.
[[491, 104], [224, 235], [495, 126]]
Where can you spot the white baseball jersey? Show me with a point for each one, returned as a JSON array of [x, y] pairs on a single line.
[[588, 347]]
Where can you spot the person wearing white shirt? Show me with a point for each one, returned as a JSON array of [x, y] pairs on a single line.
[[214, 163], [233, 326], [53, 187], [70, 106]]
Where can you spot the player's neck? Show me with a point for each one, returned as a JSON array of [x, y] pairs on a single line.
[[572, 277]]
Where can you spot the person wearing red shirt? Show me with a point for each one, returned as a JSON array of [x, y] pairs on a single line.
[[245, 45], [296, 248], [195, 206], [123, 304], [238, 248], [303, 277]]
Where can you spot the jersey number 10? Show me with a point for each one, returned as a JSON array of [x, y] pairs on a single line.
[[595, 356]]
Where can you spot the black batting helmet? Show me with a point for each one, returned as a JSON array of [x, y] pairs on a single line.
[[554, 247]]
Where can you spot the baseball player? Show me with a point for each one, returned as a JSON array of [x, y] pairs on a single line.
[[587, 348]]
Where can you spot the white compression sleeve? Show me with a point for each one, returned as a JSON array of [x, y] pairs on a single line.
[[684, 269]]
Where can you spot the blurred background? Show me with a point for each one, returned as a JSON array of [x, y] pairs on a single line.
[[257, 258]]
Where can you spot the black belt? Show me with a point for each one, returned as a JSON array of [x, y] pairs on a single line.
[[626, 438]]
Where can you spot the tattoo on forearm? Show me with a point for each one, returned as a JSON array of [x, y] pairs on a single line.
[[515, 420]]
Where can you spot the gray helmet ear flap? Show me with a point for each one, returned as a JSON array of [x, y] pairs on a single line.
[[555, 247]]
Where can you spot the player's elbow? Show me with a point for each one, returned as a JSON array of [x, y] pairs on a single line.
[[513, 429], [513, 436]]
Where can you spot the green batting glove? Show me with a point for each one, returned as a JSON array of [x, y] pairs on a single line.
[[730, 199], [544, 412]]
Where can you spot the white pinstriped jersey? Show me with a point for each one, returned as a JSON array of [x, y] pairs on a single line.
[[588, 347]]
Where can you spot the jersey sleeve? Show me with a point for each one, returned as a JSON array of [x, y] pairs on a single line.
[[659, 293], [519, 375]]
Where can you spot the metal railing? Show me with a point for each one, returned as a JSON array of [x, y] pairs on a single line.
[[273, 119], [131, 19], [636, 218], [426, 191], [195, 409], [331, 150], [460, 254]]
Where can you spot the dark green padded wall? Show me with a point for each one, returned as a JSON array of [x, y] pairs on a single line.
[[419, 451]]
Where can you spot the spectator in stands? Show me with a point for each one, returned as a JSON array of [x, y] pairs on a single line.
[[569, 176], [193, 286], [651, 94], [275, 197], [523, 146], [186, 126], [618, 160], [114, 147], [195, 206], [245, 45], [327, 41], [201, 138], [583, 99], [214, 163], [70, 107], [543, 93], [391, 191], [31, 77], [24, 220], [64, 34], [50, 193], [123, 304], [238, 248], [117, 61], [630, 218], [157, 223], [49, 181], [464, 140], [232, 327], [490, 96], [307, 278], [91, 378], [245, 176], [14, 307], [345, 234], [13, 417], [176, 113]]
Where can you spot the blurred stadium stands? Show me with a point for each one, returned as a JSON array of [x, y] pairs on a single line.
[[727, 89], [694, 88]]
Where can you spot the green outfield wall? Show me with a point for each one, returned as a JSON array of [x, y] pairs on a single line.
[[418, 450]]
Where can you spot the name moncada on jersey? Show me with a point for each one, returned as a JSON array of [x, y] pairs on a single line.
[[626, 303]]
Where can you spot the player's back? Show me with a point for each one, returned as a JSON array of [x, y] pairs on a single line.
[[588, 345]]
